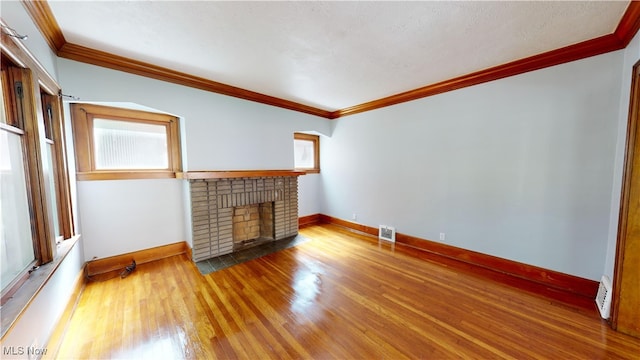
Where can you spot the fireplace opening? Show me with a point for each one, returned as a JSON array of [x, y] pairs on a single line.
[[253, 225]]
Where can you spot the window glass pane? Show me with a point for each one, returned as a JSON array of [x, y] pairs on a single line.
[[125, 145], [16, 244], [47, 112], [304, 153], [52, 193]]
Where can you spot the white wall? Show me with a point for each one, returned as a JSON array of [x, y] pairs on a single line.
[[219, 133], [520, 168], [309, 197], [14, 14], [118, 217]]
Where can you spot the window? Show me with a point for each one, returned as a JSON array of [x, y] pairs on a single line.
[[34, 207], [54, 167], [17, 240], [115, 143], [306, 149]]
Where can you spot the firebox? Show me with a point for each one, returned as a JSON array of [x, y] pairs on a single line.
[[252, 225]]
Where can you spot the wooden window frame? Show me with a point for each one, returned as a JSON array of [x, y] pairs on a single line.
[[82, 116], [316, 152], [54, 133], [23, 276], [30, 123]]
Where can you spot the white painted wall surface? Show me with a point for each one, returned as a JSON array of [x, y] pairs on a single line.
[[309, 196], [123, 216], [219, 133], [631, 56], [14, 14], [520, 168]]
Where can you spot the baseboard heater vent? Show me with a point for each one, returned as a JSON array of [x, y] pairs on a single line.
[[387, 233], [603, 298]]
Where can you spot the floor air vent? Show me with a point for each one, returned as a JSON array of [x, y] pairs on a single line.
[[603, 298], [387, 233]]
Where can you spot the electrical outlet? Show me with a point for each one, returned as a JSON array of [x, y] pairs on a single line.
[[354, 216], [442, 236]]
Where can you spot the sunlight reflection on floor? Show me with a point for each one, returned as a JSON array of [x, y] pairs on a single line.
[[155, 348], [306, 286]]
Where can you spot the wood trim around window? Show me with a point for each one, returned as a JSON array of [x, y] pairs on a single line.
[[316, 151], [82, 116], [18, 64], [61, 168], [34, 140]]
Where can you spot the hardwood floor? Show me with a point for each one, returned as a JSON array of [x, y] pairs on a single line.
[[340, 295]]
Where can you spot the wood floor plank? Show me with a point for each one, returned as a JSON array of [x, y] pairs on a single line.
[[340, 295]]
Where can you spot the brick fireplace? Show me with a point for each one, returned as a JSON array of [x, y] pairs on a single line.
[[230, 214]]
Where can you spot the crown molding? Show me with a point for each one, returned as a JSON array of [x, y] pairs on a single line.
[[625, 31], [107, 60], [628, 26], [578, 51], [42, 16]]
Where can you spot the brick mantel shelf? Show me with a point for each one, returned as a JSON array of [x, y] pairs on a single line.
[[230, 174]]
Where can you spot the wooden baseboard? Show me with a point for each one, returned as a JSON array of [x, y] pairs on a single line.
[[188, 251], [308, 220], [118, 262], [557, 280], [326, 219], [53, 345]]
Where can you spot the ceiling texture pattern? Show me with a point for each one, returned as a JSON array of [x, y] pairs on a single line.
[[332, 58]]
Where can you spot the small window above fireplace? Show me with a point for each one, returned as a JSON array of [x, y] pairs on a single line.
[[306, 149]]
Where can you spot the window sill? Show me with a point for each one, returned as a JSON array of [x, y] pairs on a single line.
[[20, 301], [231, 174], [309, 171], [126, 175]]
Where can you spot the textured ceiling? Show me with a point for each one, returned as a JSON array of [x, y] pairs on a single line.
[[332, 55]]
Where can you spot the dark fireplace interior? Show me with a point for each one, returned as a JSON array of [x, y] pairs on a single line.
[[252, 225]]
